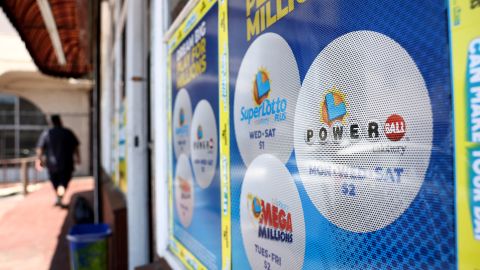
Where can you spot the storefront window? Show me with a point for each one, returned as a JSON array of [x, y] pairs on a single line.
[[21, 123], [30, 114], [28, 142], [7, 144], [7, 108]]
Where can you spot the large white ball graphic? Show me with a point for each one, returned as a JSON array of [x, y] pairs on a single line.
[[266, 91], [271, 216], [363, 131]]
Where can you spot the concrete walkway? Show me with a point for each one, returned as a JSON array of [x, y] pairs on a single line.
[[32, 230]]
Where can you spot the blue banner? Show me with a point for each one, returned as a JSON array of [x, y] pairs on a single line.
[[341, 135], [195, 183]]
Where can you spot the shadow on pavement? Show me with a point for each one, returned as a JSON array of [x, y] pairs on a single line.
[[61, 259]]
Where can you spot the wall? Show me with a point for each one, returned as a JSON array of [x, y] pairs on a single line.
[[69, 98]]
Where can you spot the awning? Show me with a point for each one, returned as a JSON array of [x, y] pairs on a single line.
[[55, 33]]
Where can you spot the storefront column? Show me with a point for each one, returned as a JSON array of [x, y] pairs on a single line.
[[137, 129], [106, 96], [159, 94]]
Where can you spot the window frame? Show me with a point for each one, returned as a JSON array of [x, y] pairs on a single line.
[[17, 127]]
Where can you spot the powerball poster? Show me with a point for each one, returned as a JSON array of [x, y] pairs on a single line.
[[341, 153], [194, 183]]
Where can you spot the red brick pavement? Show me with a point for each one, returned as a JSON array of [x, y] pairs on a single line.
[[32, 233]]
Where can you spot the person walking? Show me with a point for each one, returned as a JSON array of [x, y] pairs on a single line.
[[60, 148]]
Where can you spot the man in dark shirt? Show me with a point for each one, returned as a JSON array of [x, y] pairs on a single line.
[[60, 146]]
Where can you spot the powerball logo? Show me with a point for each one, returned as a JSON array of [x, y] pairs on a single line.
[[199, 133], [265, 109], [274, 221], [335, 127], [395, 127], [200, 143], [334, 107]]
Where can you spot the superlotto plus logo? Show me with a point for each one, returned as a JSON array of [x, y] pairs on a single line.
[[261, 86], [265, 109], [182, 129], [335, 125], [181, 118], [273, 219]]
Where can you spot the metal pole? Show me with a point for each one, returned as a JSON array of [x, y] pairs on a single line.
[[96, 25]]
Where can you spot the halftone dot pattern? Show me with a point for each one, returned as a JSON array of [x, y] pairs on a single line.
[[350, 185], [415, 241], [423, 237], [204, 144], [268, 180], [272, 120], [182, 118], [201, 237]]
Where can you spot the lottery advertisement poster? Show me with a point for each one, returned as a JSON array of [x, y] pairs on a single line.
[[194, 181], [341, 135], [465, 40]]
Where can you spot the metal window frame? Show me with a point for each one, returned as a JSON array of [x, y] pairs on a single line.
[[17, 127], [160, 31]]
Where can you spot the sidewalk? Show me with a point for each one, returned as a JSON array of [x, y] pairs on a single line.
[[32, 229]]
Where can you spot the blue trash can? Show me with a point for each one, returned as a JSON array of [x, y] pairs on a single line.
[[88, 246]]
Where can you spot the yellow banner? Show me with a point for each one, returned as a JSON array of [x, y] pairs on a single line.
[[170, 142], [185, 256], [465, 46], [224, 132], [189, 23], [122, 162]]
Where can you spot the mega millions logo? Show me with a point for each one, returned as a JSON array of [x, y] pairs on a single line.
[[335, 125], [273, 219], [185, 188], [265, 109]]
